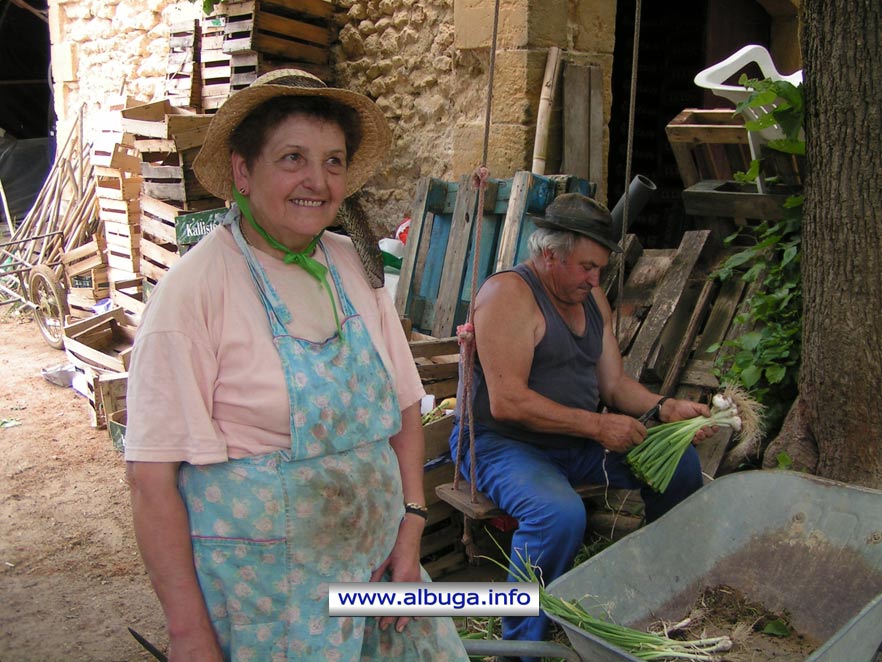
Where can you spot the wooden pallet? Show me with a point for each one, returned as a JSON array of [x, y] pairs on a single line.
[[435, 283], [294, 30]]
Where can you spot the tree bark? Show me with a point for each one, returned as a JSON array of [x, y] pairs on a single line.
[[841, 374]]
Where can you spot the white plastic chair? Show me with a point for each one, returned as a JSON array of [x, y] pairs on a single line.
[[714, 78]]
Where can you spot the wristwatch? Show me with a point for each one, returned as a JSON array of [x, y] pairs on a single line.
[[655, 412]]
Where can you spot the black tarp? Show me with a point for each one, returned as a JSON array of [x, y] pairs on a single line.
[[24, 165]]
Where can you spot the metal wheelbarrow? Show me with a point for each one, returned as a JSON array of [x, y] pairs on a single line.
[[796, 543]]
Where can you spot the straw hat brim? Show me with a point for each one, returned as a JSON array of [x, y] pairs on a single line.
[[212, 164]]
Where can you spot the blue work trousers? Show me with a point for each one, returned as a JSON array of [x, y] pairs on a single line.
[[535, 486]]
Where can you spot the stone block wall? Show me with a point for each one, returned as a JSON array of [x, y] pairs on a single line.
[[425, 63]]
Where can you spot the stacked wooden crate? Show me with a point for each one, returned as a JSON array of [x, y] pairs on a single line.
[[437, 363], [214, 63], [183, 77], [263, 35], [117, 169]]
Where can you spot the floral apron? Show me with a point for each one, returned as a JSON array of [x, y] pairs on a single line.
[[270, 532]]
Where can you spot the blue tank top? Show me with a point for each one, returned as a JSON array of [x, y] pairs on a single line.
[[564, 368]]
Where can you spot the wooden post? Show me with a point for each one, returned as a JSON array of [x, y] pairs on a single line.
[[546, 99]]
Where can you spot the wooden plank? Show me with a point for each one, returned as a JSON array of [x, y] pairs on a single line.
[[291, 28], [152, 271], [454, 260], [583, 122], [290, 49], [724, 198], [461, 499], [637, 298], [666, 300], [672, 376], [316, 8], [161, 209], [155, 145], [158, 229], [158, 254], [522, 182], [150, 172], [438, 371], [424, 202], [191, 138], [178, 124], [93, 357], [437, 436], [435, 347]]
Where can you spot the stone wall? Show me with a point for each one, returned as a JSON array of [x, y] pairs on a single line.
[[402, 54], [103, 50], [425, 62]]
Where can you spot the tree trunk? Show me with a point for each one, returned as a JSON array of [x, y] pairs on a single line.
[[841, 374]]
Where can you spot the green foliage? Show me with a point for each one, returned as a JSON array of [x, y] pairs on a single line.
[[784, 460], [777, 628], [765, 361], [207, 5]]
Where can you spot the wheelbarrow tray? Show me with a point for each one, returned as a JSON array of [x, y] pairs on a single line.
[[795, 543]]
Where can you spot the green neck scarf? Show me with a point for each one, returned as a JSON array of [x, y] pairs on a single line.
[[302, 259]]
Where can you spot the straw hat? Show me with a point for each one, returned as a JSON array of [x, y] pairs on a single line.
[[212, 165], [578, 213]]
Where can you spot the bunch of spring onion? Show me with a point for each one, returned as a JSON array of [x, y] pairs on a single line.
[[642, 645], [655, 460]]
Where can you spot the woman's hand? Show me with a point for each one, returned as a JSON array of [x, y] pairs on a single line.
[[403, 563]]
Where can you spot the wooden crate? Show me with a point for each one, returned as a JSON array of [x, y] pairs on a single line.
[[172, 183], [296, 30], [708, 144], [131, 296], [183, 79], [215, 71], [101, 343], [246, 66], [159, 119]]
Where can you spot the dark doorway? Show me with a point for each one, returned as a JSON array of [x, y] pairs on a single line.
[[677, 40], [27, 117]]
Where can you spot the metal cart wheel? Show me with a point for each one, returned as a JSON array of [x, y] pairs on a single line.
[[50, 304]]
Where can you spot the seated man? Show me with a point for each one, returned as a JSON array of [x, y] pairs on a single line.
[[546, 356]]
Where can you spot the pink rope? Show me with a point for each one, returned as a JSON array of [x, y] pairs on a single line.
[[465, 334]]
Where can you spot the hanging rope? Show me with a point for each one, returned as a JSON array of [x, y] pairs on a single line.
[[465, 333], [628, 154]]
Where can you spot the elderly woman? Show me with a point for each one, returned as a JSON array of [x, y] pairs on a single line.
[[274, 442]]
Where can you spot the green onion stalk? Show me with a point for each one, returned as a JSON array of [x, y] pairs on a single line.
[[655, 460], [642, 645]]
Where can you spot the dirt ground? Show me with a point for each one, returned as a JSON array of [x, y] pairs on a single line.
[[71, 579]]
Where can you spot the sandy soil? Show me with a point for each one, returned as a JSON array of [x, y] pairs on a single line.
[[71, 579]]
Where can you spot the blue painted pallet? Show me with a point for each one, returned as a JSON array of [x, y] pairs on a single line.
[[435, 286]]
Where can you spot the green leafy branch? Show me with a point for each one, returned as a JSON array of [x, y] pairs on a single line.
[[766, 360]]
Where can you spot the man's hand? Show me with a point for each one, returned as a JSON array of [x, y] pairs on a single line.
[[677, 410], [619, 433]]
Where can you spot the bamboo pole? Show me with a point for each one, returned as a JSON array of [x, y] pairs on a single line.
[[546, 101]]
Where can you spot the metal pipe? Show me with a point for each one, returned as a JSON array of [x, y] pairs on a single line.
[[639, 192], [513, 648]]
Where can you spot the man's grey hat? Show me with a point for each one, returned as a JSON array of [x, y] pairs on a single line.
[[578, 213]]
